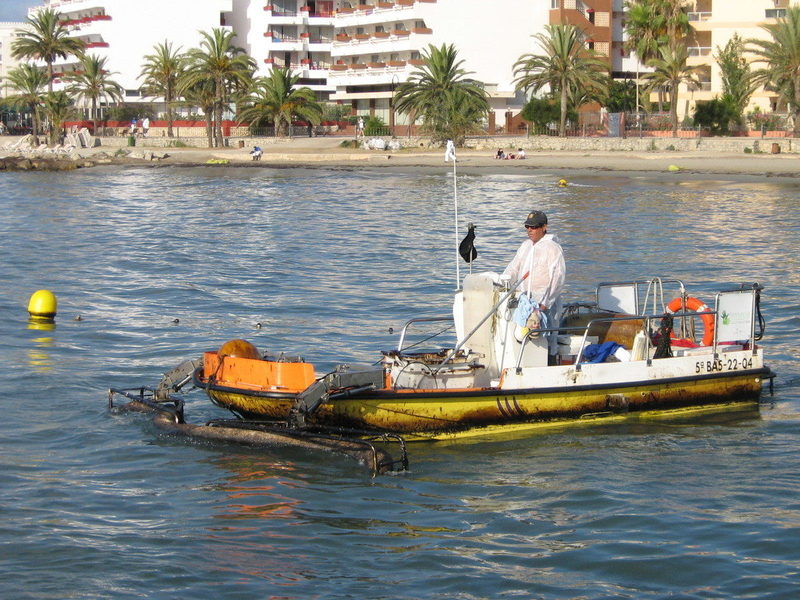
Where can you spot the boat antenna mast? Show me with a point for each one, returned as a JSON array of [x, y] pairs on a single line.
[[450, 154]]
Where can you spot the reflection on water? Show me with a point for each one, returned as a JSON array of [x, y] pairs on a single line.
[[328, 261]]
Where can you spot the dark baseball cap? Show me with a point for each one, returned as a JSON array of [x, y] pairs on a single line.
[[536, 218]]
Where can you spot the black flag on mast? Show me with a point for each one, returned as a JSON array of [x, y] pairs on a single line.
[[467, 247]]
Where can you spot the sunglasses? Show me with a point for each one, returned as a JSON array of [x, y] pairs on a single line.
[[533, 226]]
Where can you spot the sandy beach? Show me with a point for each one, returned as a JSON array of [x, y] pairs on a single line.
[[327, 152]]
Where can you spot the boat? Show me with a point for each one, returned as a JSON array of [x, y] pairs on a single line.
[[493, 376], [625, 351]]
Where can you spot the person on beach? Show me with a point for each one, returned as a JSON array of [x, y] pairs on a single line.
[[256, 153], [145, 126], [539, 265], [520, 153], [133, 125], [500, 154]]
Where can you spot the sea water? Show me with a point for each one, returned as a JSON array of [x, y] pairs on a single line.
[[153, 266]]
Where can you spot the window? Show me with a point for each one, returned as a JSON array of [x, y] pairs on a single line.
[[775, 13], [555, 4]]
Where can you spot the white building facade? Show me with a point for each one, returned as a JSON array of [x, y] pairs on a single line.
[[8, 32], [714, 23], [125, 31], [357, 53]]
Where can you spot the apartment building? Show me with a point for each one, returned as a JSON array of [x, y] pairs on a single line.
[[357, 52], [125, 31], [714, 23]]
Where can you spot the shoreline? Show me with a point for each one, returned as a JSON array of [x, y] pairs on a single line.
[[316, 153]]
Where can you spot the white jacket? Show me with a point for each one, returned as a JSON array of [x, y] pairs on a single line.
[[545, 261]]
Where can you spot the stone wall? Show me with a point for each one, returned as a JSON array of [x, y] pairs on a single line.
[[635, 144], [531, 144]]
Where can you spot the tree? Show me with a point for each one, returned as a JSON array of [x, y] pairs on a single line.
[[93, 83], [450, 105], [653, 24], [161, 72], [275, 99], [737, 78], [781, 54], [544, 111], [670, 71], [715, 115], [224, 65], [620, 96], [201, 94], [45, 39], [566, 66], [29, 82], [57, 108]]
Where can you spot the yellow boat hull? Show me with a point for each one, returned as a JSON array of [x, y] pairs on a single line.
[[437, 414]]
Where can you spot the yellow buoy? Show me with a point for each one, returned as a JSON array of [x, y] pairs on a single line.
[[562, 183], [673, 168], [43, 305]]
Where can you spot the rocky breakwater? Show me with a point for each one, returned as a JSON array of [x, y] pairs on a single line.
[[22, 155]]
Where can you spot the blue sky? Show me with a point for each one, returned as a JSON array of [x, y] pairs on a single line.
[[16, 10]]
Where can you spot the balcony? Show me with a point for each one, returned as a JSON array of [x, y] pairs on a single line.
[[78, 22], [381, 12]]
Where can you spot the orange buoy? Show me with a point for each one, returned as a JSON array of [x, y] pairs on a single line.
[[695, 305], [239, 349]]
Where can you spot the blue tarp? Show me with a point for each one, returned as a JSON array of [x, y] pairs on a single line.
[[597, 353]]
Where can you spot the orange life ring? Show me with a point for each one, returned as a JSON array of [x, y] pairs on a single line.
[[698, 306]]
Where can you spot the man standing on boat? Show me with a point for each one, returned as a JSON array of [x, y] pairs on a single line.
[[539, 261]]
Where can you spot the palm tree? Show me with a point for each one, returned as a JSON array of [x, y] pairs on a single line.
[[450, 104], [670, 71], [652, 24], [226, 66], [274, 98], [92, 82], [45, 39], [782, 57], [200, 94], [566, 66], [58, 108], [29, 82], [161, 72]]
